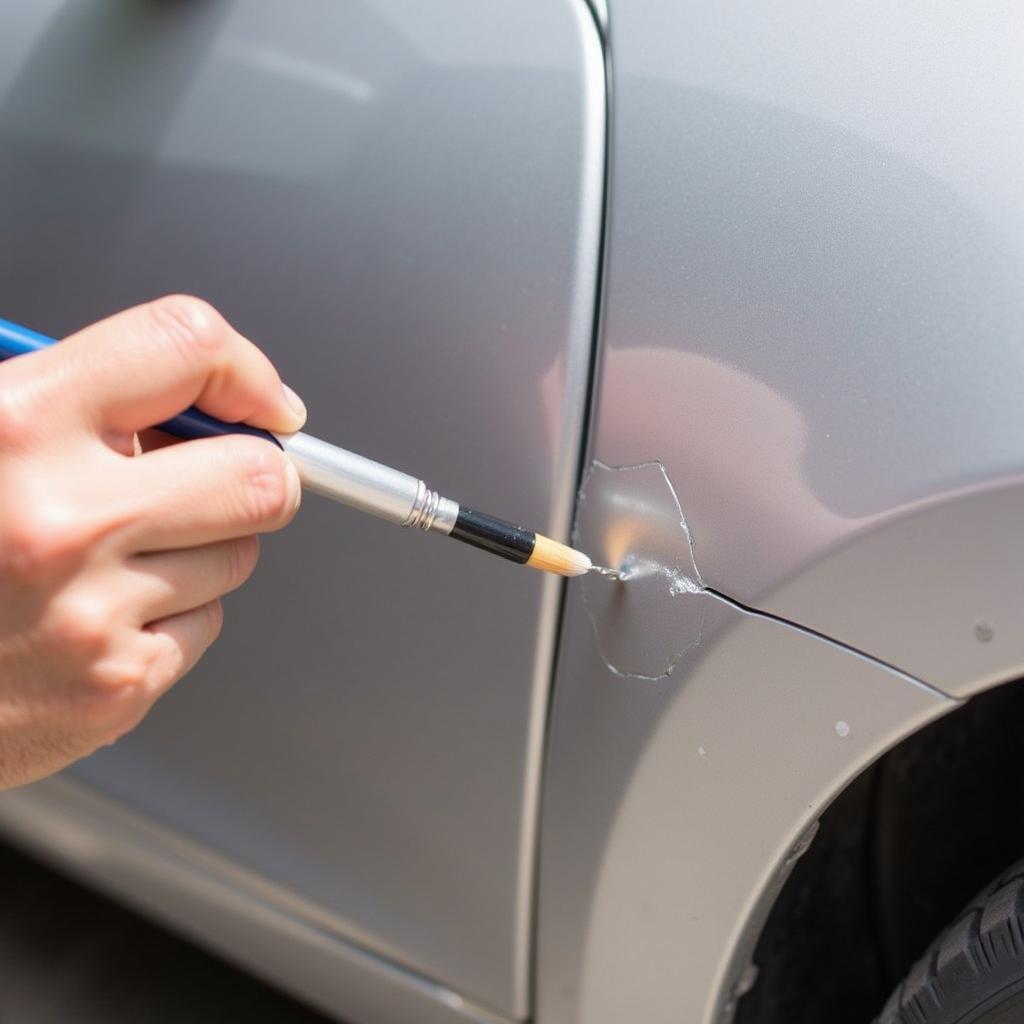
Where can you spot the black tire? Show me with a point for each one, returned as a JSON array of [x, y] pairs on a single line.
[[974, 972]]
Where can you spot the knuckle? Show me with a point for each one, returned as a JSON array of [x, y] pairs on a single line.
[[39, 537], [111, 703], [188, 323], [266, 492], [28, 551], [81, 624], [117, 689], [118, 678]]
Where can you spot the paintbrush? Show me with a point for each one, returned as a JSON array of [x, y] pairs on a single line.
[[366, 485]]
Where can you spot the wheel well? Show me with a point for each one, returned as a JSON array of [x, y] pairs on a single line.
[[905, 846]]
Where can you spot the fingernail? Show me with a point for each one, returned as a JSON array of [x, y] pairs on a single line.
[[295, 403]]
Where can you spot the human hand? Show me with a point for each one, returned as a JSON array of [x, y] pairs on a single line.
[[112, 563]]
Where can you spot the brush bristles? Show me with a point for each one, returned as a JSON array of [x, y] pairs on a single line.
[[550, 556]]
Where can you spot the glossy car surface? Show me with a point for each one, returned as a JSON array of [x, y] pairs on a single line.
[[783, 306]]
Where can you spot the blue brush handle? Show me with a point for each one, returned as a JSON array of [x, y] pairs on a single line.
[[18, 341]]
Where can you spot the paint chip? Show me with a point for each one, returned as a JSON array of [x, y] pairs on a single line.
[[630, 519]]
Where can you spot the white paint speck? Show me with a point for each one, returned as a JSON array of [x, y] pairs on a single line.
[[701, 751], [842, 729]]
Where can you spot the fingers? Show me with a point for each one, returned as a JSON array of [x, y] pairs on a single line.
[[201, 492], [178, 642], [167, 583], [145, 365]]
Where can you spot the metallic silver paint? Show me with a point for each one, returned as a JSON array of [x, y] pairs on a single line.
[[220, 905], [671, 807], [815, 291], [402, 203], [935, 590], [812, 319], [813, 307]]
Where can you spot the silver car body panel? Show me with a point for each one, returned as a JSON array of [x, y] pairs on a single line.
[[812, 315], [814, 308], [811, 321], [219, 904], [950, 571], [672, 807], [402, 204]]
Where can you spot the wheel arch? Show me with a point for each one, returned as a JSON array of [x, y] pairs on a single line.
[[669, 804], [898, 851], [932, 590]]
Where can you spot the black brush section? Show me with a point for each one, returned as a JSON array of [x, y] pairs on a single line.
[[494, 535]]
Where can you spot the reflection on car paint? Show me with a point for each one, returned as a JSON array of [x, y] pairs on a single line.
[[630, 518]]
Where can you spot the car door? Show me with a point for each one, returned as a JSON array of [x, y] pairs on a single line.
[[401, 203]]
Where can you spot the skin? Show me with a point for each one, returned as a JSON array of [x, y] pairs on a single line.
[[113, 559]]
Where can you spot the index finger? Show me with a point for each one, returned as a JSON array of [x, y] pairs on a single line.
[[147, 364]]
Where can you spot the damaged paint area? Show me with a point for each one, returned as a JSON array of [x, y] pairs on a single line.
[[630, 519]]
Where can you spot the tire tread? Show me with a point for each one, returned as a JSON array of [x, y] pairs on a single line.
[[977, 955]]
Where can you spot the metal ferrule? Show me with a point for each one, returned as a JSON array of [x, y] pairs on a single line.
[[367, 485], [432, 512]]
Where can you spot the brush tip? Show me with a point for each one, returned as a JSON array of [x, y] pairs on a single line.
[[550, 556]]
